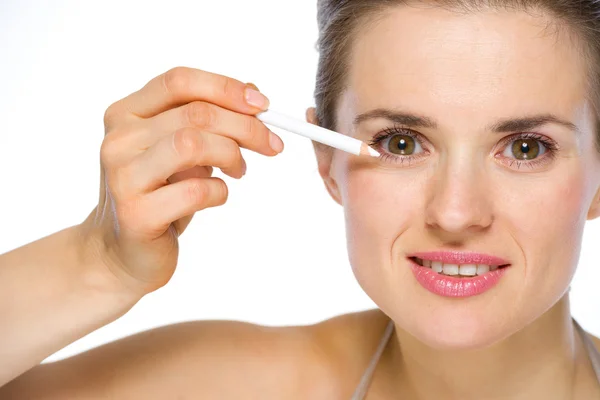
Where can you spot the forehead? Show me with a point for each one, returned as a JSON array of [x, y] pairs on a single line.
[[466, 65]]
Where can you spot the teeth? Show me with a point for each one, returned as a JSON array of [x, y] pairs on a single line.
[[482, 269], [468, 270], [450, 269], [455, 269]]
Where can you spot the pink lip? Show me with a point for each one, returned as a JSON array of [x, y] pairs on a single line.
[[459, 257], [449, 286]]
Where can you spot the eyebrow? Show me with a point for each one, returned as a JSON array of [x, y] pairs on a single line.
[[529, 123], [398, 117], [503, 126]]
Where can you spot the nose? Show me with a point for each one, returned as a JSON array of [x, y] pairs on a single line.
[[459, 200]]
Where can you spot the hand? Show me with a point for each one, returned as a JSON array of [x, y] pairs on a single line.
[[157, 158]]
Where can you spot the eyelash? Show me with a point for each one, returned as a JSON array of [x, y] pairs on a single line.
[[550, 146]]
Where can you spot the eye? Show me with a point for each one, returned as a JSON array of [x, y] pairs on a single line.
[[524, 149], [398, 142], [404, 145], [400, 145], [528, 149]]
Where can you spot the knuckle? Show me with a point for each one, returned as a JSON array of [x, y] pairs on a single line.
[[110, 115], [225, 86], [197, 192], [234, 153], [200, 114], [176, 80], [186, 143], [223, 192], [109, 149], [252, 132]]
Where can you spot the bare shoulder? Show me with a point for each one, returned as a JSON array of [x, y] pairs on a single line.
[[215, 359]]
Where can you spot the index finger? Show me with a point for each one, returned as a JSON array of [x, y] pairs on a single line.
[[183, 85]]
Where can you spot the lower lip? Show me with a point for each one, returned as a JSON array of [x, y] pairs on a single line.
[[449, 286]]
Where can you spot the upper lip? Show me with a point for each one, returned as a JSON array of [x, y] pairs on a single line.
[[460, 257]]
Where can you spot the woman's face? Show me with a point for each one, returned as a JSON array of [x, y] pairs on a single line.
[[488, 147]]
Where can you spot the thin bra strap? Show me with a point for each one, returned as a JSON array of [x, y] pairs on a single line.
[[593, 353], [365, 380]]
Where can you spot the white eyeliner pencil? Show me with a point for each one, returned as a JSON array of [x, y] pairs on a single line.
[[317, 133]]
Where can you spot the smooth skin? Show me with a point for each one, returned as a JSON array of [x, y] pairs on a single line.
[[158, 142], [161, 145]]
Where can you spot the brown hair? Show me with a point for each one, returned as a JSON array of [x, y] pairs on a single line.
[[339, 20]]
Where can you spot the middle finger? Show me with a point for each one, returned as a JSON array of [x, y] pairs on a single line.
[[247, 130]]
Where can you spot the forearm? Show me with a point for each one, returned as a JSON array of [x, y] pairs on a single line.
[[52, 292]]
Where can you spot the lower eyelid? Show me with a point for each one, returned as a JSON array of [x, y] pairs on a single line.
[[398, 159], [402, 159], [545, 158]]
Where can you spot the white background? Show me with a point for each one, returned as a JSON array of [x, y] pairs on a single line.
[[275, 253]]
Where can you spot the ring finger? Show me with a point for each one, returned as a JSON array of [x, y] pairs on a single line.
[[183, 150]]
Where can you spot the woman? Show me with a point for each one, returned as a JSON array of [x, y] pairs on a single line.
[[466, 232]]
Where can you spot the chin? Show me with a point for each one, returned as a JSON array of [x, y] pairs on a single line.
[[445, 324], [454, 332]]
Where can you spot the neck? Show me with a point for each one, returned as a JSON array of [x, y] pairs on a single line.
[[537, 362]]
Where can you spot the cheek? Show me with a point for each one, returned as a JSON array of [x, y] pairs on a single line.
[[546, 221], [379, 205], [549, 211]]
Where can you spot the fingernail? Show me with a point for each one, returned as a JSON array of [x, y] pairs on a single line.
[[256, 99], [275, 142], [244, 167]]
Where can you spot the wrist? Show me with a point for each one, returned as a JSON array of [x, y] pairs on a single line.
[[99, 272]]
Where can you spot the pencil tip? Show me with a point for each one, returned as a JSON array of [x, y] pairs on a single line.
[[367, 150], [374, 152]]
